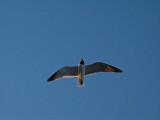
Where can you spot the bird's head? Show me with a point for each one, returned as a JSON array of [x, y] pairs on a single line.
[[82, 62]]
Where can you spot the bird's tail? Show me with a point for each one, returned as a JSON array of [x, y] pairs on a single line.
[[80, 83]]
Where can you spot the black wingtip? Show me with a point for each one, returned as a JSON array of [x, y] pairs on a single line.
[[49, 80], [117, 70], [120, 71], [53, 77], [110, 68]]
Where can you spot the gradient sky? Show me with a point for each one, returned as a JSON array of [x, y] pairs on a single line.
[[37, 37]]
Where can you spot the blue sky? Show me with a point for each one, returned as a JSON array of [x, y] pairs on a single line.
[[39, 37]]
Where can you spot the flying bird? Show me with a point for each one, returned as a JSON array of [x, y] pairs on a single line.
[[81, 70]]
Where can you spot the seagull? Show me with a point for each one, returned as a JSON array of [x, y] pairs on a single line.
[[81, 70]]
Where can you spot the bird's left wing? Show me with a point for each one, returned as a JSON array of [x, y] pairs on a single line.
[[64, 72]]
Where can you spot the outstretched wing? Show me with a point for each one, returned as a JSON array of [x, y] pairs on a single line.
[[100, 67], [64, 72]]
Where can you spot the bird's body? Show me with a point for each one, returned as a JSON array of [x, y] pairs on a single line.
[[81, 74], [81, 70]]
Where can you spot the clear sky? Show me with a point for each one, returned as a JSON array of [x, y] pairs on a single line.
[[37, 37]]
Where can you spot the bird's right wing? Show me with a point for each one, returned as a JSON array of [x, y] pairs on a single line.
[[100, 67], [64, 72]]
